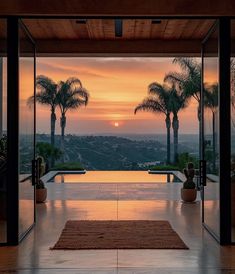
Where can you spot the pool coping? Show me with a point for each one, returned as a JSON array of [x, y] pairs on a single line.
[[47, 177], [177, 173]]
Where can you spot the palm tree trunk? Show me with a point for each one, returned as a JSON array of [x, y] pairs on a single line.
[[62, 125], [168, 137], [175, 126], [53, 120]]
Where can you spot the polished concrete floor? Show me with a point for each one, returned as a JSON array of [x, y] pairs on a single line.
[[138, 201]]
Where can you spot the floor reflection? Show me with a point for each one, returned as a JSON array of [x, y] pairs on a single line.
[[212, 206], [26, 206], [33, 254]]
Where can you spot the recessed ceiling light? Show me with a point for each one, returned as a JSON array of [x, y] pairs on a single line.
[[156, 21], [81, 21], [118, 27]]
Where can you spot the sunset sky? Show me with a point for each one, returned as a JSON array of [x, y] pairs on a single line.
[[116, 86]]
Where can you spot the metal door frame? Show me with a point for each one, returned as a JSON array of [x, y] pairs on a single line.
[[223, 25]]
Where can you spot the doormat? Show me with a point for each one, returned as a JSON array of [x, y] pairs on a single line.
[[119, 235]]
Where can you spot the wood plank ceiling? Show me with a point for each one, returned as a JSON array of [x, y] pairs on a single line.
[[104, 29]]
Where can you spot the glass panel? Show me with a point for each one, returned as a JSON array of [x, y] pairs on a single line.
[[211, 133], [233, 127], [26, 132], [3, 131]]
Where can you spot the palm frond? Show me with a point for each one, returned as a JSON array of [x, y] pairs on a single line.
[[81, 93], [150, 105], [47, 91], [187, 64], [73, 81], [74, 103], [159, 91], [189, 80], [174, 78], [211, 96], [45, 83], [177, 101], [71, 95]]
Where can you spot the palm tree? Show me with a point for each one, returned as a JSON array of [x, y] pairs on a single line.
[[158, 102], [47, 95], [189, 80], [71, 95], [211, 101], [177, 103]]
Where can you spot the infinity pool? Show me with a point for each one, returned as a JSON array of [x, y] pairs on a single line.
[[114, 177]]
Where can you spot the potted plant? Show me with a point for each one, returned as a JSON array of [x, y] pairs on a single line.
[[189, 191], [41, 192]]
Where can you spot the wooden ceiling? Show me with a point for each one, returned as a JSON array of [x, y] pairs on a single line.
[[104, 29], [140, 37], [96, 37]]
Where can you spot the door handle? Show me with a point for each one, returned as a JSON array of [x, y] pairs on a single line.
[[35, 171], [202, 171]]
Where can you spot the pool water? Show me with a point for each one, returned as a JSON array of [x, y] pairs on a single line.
[[114, 177]]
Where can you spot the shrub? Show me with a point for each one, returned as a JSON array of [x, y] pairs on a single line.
[[47, 151], [165, 168], [68, 166], [184, 159]]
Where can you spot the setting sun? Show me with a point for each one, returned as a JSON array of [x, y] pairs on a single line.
[[116, 124]]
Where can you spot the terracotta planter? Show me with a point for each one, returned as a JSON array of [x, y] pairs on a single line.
[[41, 195], [188, 195]]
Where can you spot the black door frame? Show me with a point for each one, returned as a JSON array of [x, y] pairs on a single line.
[[224, 40], [13, 55]]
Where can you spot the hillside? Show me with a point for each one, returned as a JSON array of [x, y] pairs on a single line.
[[111, 152]]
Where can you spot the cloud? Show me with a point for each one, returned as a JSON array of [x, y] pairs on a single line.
[[109, 67], [50, 67]]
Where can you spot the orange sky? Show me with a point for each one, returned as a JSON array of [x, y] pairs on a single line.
[[116, 86]]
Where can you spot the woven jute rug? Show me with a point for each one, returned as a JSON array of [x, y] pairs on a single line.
[[119, 235]]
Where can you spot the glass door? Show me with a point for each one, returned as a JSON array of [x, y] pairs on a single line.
[[26, 130], [210, 132]]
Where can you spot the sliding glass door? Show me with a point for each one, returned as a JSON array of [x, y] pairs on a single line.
[[211, 132], [215, 131], [26, 130]]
